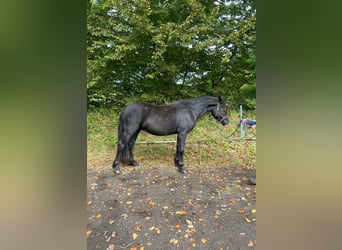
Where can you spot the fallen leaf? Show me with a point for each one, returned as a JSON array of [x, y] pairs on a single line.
[[192, 240], [233, 202], [89, 232], [138, 227], [142, 248], [248, 220], [241, 211], [203, 241], [134, 236], [174, 241], [111, 221], [165, 207], [250, 243], [129, 202], [111, 247], [189, 222], [182, 212], [89, 202], [98, 216], [253, 211]]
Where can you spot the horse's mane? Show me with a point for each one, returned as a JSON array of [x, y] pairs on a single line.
[[197, 100]]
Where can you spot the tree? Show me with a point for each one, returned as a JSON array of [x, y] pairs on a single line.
[[161, 50]]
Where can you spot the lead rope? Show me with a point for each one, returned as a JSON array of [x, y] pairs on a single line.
[[227, 138]]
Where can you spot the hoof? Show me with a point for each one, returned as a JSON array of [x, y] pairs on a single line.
[[182, 170], [133, 163], [117, 171]]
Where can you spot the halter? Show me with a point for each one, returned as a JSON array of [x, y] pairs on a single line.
[[219, 114]]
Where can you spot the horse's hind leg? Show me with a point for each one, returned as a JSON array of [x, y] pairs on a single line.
[[180, 152], [116, 162], [131, 161], [121, 153]]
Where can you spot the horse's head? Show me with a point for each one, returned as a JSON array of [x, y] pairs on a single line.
[[220, 112]]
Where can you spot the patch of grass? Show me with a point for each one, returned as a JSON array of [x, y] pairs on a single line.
[[206, 144]]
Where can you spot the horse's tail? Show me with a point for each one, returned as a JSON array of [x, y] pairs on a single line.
[[121, 130]]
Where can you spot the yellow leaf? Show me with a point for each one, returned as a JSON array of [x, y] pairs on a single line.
[[111, 221], [98, 215], [248, 220], [134, 236], [253, 211], [174, 241], [151, 228], [182, 212], [89, 232], [203, 241], [165, 207], [89, 202], [142, 248], [129, 202]]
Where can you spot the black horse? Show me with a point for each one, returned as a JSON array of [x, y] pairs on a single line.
[[177, 118]]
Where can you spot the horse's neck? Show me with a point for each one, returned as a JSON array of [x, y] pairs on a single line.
[[205, 106]]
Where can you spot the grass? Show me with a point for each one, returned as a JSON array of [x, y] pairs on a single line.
[[206, 144]]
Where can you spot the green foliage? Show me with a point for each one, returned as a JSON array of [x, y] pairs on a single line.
[[160, 51]]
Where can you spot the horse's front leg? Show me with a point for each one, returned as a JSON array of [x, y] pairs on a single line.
[[180, 152]]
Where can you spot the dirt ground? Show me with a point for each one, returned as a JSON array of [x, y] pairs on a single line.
[[159, 208]]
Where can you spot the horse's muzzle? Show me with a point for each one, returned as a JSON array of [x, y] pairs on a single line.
[[224, 122]]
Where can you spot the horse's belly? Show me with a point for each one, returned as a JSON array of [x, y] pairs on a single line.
[[159, 129]]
